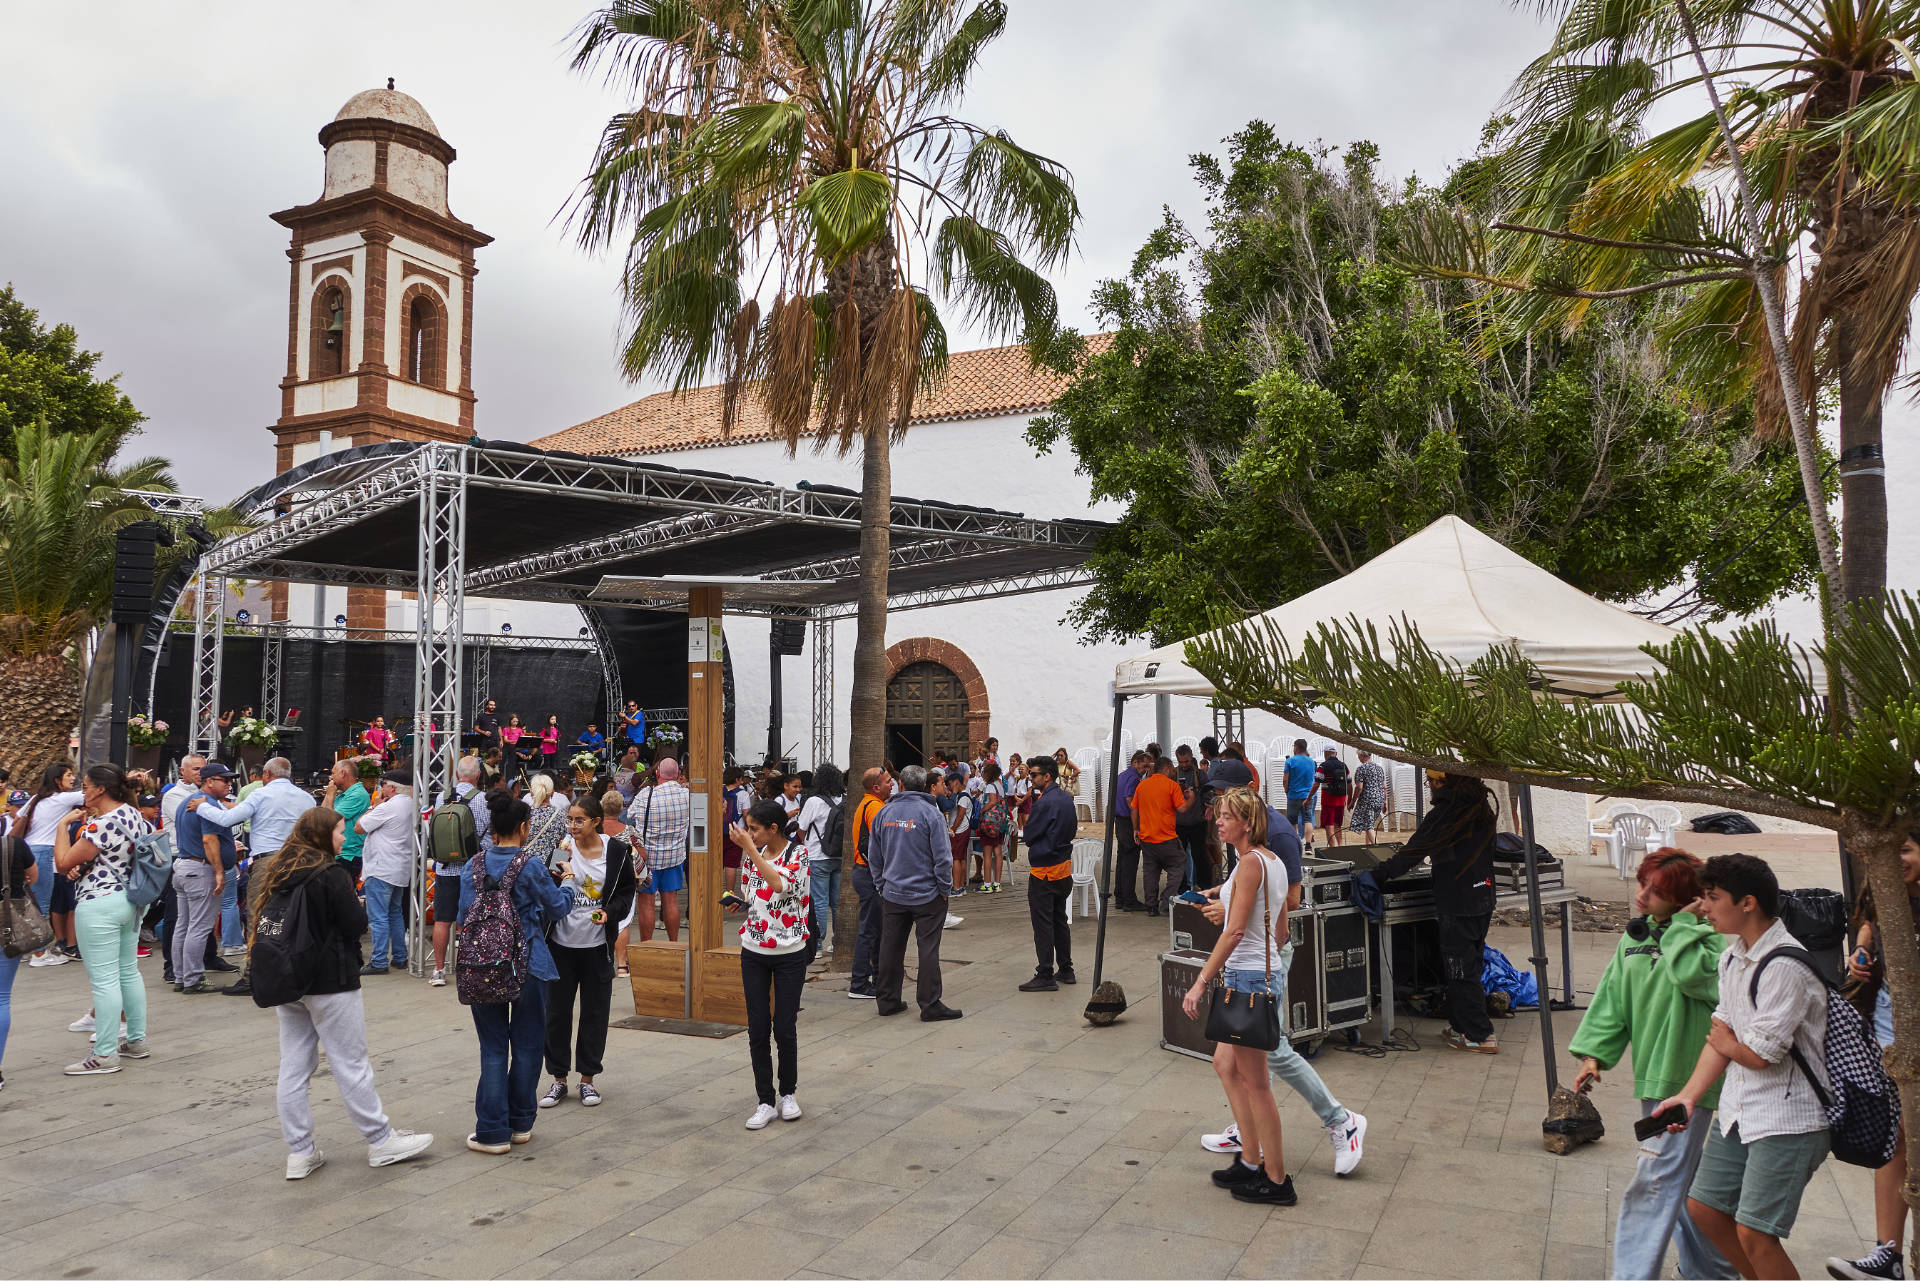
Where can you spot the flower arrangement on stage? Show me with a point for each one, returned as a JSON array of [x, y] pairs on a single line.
[[585, 764], [368, 768], [251, 731], [665, 734], [142, 731]]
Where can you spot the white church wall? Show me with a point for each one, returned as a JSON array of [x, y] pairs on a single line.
[[416, 177], [349, 167]]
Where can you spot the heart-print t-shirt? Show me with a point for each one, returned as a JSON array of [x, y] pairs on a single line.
[[776, 923]]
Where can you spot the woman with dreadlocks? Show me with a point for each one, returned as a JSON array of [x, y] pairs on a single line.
[[1457, 834], [329, 1014]]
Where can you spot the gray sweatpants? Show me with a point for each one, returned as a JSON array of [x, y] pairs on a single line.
[[195, 915], [337, 1023]]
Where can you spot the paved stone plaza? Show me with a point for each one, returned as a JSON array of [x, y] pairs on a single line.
[[1018, 1142]]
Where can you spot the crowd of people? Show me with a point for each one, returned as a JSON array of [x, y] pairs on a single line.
[[1728, 1046]]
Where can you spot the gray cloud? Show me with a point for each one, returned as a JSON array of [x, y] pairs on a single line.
[[143, 147]]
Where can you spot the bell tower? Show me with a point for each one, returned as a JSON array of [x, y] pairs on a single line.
[[380, 303]]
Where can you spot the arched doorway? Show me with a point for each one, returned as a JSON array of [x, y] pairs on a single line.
[[936, 702], [926, 713]]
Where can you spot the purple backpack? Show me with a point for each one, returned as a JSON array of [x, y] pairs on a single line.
[[494, 958]]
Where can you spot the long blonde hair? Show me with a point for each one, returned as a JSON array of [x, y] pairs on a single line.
[[539, 790], [1249, 809]]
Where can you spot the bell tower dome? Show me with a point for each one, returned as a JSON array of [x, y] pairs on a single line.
[[380, 301]]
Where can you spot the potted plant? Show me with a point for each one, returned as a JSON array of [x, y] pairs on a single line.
[[665, 739], [145, 738], [252, 739], [368, 768], [585, 766]]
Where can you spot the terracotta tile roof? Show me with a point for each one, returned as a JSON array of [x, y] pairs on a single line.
[[979, 384]]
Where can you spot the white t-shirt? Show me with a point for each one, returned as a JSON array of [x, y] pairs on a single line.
[[578, 929], [962, 819], [47, 815], [791, 804], [813, 825]]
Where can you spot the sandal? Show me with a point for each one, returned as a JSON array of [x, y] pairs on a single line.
[[622, 972]]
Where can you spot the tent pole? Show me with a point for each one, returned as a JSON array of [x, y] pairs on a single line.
[[1538, 930], [1106, 850]]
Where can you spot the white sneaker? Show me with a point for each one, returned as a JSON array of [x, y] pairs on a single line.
[[49, 957], [1346, 1139], [439, 979], [397, 1146], [1227, 1140], [135, 1049], [236, 949], [82, 1024], [789, 1108], [762, 1116], [94, 1065], [953, 920], [301, 1164]]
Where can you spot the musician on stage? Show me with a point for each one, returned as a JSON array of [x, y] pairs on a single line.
[[487, 724], [593, 740], [378, 739], [633, 724]]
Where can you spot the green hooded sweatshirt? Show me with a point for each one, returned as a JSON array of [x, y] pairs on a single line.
[[1657, 994]]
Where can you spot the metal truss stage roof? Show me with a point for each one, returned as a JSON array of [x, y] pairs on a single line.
[[551, 526]]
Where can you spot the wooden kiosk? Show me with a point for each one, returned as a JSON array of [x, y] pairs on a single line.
[[698, 976]]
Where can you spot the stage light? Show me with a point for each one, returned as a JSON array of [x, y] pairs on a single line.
[[583, 633], [243, 618], [339, 620], [506, 629]]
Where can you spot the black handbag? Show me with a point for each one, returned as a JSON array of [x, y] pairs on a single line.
[[22, 927], [1251, 1019]]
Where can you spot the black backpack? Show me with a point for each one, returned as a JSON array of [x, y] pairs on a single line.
[[834, 834], [1333, 777], [1862, 1106], [288, 950]]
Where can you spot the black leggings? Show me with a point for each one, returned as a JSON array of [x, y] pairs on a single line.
[[589, 972], [782, 978]]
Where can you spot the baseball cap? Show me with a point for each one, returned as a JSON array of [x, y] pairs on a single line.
[[398, 777], [1332, 750], [17, 797], [147, 800], [214, 769]]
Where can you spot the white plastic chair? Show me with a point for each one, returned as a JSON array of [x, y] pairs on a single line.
[[1601, 829], [1086, 878], [1666, 822], [1627, 843]]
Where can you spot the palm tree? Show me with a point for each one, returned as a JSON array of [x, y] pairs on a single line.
[[1591, 204], [796, 198], [62, 501]]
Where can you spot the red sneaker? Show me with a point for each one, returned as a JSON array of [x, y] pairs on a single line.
[[143, 951]]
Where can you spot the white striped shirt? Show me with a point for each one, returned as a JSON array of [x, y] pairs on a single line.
[[1792, 1010]]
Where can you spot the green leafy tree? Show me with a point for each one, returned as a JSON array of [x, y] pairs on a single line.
[[46, 377], [62, 501], [1788, 133], [796, 201], [1278, 403]]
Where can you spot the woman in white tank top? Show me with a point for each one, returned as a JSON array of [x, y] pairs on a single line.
[[1253, 932]]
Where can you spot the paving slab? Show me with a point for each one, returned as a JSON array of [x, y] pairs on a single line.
[[1016, 1142]]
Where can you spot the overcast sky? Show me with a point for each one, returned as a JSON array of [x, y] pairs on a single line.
[[142, 147]]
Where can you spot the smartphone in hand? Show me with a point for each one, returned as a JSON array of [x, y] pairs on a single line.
[[732, 902], [1659, 1121]]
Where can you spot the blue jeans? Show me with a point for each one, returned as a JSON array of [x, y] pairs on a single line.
[[232, 931], [1285, 1062], [43, 884], [9, 966], [1654, 1206], [388, 927], [513, 1038], [823, 883]]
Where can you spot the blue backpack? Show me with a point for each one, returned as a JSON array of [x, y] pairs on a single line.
[[152, 869]]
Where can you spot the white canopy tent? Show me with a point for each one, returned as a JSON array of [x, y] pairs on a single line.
[[1466, 594]]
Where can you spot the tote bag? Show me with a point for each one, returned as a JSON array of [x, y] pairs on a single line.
[[1251, 1019]]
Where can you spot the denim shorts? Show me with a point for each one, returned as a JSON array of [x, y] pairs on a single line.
[[1883, 1017], [1249, 981], [1758, 1183]]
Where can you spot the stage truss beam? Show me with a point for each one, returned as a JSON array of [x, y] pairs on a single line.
[[437, 653], [823, 691], [653, 536], [209, 622]]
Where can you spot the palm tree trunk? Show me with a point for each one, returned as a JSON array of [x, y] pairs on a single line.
[[1805, 448], [1863, 477], [39, 708], [867, 747], [1878, 849]]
